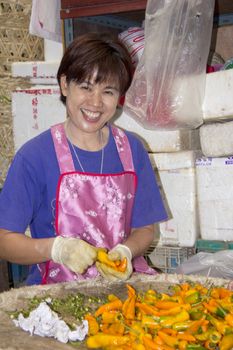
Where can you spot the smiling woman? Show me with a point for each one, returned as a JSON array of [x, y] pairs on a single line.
[[93, 74], [89, 107], [100, 56], [83, 184]]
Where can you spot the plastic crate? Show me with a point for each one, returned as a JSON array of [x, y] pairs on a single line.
[[168, 258], [205, 245]]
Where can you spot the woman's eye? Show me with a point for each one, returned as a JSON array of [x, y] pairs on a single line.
[[84, 86], [109, 92]]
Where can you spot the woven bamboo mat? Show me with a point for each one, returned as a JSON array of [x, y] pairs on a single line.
[[16, 45]]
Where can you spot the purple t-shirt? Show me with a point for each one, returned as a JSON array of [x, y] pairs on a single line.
[[29, 192]]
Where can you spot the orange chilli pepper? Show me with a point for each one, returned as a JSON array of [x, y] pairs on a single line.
[[93, 325], [102, 256], [147, 309], [119, 265], [113, 305], [148, 321], [116, 328], [104, 327], [172, 311], [186, 336], [128, 308], [168, 339], [165, 304], [131, 290], [183, 344], [169, 331], [101, 340], [149, 344], [112, 316], [229, 319], [224, 293], [122, 266]]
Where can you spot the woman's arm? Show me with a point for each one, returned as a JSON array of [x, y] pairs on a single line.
[[141, 238], [21, 249]]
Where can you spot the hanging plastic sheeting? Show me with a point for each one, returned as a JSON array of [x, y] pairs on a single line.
[[168, 88], [45, 19]]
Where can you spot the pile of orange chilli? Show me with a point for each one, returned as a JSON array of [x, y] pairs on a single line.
[[192, 317]]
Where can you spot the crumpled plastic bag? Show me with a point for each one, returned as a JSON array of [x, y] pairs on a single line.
[[219, 264], [168, 87]]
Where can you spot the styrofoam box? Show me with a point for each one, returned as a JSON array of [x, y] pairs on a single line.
[[176, 174], [34, 110], [215, 197], [53, 50], [217, 104], [157, 140], [37, 69], [216, 139]]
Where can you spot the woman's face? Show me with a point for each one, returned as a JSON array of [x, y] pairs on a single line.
[[90, 105]]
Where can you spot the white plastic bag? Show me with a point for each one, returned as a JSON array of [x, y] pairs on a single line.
[[45, 19], [219, 264], [167, 91]]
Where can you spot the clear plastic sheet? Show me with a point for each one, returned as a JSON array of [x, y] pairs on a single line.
[[219, 264], [167, 91]]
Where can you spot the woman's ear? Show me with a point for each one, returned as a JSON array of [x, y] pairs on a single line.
[[63, 84]]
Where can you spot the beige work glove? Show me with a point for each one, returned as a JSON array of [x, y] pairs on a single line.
[[74, 253], [119, 252]]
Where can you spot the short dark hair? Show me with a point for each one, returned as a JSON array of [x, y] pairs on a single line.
[[96, 51]]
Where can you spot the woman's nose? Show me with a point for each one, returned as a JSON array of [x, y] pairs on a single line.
[[96, 98]]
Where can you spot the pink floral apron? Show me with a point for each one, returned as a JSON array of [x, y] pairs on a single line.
[[94, 207]]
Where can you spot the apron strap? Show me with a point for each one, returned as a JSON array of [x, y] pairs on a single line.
[[123, 147], [64, 156], [62, 149]]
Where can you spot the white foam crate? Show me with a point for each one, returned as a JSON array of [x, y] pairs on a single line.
[[217, 104], [215, 197], [216, 139], [177, 176], [34, 110], [159, 140], [36, 69]]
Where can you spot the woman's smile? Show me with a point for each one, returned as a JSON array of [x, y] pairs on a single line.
[[90, 116]]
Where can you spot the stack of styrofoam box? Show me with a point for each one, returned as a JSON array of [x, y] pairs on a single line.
[[173, 155], [215, 169], [37, 108], [183, 172], [216, 132]]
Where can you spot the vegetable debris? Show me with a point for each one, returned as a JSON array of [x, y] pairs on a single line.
[[60, 318]]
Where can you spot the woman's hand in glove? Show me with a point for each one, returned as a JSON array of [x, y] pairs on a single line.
[[74, 253], [119, 252]]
